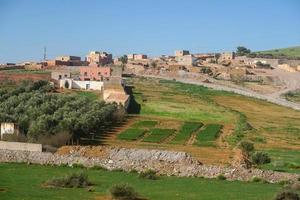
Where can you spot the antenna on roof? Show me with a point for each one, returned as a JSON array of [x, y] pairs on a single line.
[[45, 53]]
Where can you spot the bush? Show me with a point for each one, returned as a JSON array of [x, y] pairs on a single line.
[[57, 140], [148, 174], [221, 177], [71, 181], [98, 168], [256, 179], [260, 158], [287, 195], [123, 192], [246, 146]]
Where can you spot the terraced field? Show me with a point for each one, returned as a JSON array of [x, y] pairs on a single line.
[[149, 131], [208, 135], [188, 109]]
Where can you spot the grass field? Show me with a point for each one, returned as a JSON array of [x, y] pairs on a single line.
[[90, 95], [131, 134], [284, 160], [290, 52], [157, 135], [185, 132], [269, 126], [21, 181], [145, 124], [208, 135]]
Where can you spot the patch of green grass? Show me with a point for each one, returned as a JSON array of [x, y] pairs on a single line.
[[241, 127], [157, 135], [208, 135], [192, 89], [145, 124], [20, 181], [186, 102], [131, 134], [289, 52], [186, 131], [283, 160], [90, 95]]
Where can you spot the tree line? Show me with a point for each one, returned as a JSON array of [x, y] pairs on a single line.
[[42, 114]]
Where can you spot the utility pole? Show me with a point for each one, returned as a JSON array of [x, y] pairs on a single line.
[[45, 53]]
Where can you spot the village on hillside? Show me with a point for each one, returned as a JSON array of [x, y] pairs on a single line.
[[149, 100]]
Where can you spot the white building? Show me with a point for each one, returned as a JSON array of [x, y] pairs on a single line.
[[85, 85]]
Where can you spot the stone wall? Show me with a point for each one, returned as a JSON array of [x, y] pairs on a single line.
[[164, 162], [20, 146]]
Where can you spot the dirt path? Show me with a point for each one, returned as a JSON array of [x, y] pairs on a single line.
[[194, 136], [226, 131]]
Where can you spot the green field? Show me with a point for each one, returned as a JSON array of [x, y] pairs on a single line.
[[145, 124], [131, 134], [185, 132], [90, 95], [21, 181], [289, 52], [157, 135], [284, 160], [269, 126], [208, 135]]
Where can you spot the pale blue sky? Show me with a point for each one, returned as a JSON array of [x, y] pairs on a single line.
[[73, 27]]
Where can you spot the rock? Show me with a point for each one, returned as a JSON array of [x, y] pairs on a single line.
[[168, 163]]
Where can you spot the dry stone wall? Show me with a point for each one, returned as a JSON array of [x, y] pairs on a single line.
[[168, 163]]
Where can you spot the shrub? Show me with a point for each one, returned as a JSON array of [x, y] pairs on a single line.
[[78, 165], [256, 179], [74, 180], [123, 192], [287, 195], [221, 177], [57, 140], [284, 182], [148, 174], [259, 158], [246, 146], [98, 168]]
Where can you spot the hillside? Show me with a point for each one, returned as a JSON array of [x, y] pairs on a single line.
[[290, 52]]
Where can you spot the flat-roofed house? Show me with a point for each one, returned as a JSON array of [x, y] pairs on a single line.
[[186, 60], [95, 73], [227, 56], [181, 52], [58, 75], [99, 58]]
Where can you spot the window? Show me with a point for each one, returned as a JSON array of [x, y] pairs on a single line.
[[99, 73], [59, 77], [85, 73]]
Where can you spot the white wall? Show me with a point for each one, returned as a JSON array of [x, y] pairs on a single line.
[[91, 85], [20, 146]]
